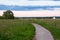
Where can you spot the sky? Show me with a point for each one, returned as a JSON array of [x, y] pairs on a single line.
[[33, 3], [30, 2], [42, 13]]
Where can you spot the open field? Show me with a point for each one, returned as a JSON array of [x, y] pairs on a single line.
[[16, 30], [19, 29], [52, 25]]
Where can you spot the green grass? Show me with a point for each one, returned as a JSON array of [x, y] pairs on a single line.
[[16, 30], [23, 29], [52, 25]]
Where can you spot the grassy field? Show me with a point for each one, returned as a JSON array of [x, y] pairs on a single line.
[[16, 30], [52, 25], [24, 30]]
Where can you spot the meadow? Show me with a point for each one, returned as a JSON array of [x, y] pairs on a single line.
[[16, 30], [52, 25]]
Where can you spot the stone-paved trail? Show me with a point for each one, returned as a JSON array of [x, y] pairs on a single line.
[[42, 33]]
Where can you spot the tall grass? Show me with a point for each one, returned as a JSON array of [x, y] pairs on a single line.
[[23, 29], [16, 30]]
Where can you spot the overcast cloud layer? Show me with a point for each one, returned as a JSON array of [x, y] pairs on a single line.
[[30, 2]]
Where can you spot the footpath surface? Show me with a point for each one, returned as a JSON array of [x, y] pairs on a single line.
[[42, 33]]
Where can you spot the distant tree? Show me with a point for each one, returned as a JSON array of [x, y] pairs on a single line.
[[8, 14]]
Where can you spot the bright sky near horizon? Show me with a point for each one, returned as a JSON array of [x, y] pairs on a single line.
[[42, 13], [30, 2]]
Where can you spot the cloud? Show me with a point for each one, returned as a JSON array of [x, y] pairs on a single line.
[[44, 0], [56, 0], [29, 3], [40, 0]]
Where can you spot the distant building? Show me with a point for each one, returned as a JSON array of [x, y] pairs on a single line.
[[54, 17]]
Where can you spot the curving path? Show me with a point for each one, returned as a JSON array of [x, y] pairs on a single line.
[[42, 33]]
